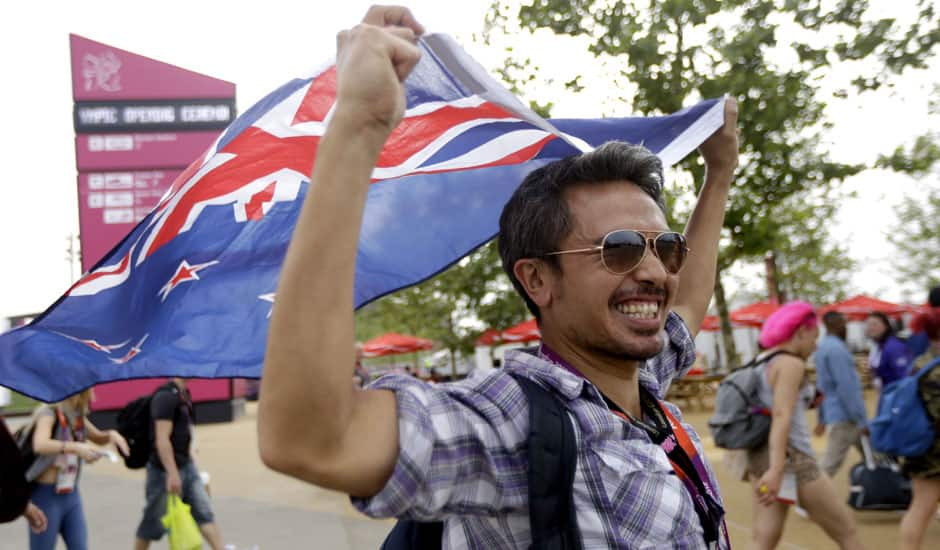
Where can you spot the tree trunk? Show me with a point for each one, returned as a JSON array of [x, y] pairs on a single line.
[[731, 352], [775, 294], [453, 365]]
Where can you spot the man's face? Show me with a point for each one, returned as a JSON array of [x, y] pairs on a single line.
[[597, 311]]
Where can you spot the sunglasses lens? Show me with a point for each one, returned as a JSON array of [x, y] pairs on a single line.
[[623, 250], [671, 249]]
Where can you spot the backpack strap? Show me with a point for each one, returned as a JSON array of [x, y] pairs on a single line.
[[552, 458], [551, 454], [760, 360]]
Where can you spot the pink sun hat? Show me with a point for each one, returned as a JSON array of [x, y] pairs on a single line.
[[783, 323]]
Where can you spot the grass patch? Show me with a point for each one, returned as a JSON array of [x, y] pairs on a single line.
[[20, 404]]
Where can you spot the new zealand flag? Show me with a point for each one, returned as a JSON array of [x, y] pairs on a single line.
[[189, 291]]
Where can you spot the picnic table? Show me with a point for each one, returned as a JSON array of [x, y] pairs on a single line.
[[692, 389]]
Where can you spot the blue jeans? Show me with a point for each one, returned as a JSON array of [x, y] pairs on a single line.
[[194, 494], [65, 516]]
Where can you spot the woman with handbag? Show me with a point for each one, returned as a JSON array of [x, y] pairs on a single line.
[[60, 440], [785, 469]]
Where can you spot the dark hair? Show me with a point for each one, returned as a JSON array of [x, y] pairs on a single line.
[[933, 297], [832, 319], [889, 330], [537, 218]]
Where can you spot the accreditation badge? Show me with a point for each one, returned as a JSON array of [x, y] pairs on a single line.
[[68, 474]]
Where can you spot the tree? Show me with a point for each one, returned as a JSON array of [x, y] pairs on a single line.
[[444, 307], [917, 238], [917, 234], [772, 54]]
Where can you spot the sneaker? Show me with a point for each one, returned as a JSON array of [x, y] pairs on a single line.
[[800, 511]]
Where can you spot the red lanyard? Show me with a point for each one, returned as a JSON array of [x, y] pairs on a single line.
[[684, 458], [77, 432]]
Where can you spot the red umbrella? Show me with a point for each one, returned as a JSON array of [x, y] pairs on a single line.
[[711, 323], [859, 307], [753, 315], [525, 331], [489, 337], [392, 343]]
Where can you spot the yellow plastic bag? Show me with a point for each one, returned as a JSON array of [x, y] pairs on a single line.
[[183, 531]]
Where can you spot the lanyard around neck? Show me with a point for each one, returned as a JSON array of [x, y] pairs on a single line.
[[667, 432], [77, 431]]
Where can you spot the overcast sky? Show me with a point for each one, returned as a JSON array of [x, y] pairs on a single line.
[[259, 49]]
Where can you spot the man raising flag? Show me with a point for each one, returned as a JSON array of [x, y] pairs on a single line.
[[585, 241]]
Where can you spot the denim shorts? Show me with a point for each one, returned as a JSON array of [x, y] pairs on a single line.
[[194, 494]]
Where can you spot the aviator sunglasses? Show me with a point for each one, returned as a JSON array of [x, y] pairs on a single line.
[[623, 250]]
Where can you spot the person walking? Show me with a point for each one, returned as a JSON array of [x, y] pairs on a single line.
[[842, 412], [61, 437], [890, 358], [171, 468], [785, 470], [925, 328], [923, 470]]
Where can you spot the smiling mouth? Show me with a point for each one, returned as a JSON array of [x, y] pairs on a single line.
[[639, 310]]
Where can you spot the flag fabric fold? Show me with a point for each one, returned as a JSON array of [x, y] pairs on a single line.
[[189, 291]]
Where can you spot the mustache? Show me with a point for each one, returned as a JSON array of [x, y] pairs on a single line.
[[645, 291]]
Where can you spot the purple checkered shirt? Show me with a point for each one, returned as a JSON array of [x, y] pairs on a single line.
[[462, 458]]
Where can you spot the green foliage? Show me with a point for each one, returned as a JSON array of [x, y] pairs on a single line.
[[924, 153], [810, 264], [680, 51], [770, 54], [917, 233], [917, 238], [438, 308]]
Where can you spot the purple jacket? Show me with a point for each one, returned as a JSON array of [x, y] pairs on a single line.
[[891, 360]]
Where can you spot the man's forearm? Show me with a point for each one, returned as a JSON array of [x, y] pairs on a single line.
[[703, 231], [167, 458], [310, 355]]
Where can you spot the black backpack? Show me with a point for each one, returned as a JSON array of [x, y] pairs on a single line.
[[136, 426], [552, 457]]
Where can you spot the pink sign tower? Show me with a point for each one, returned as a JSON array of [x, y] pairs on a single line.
[[138, 123]]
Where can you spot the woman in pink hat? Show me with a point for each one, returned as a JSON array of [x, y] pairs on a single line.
[[785, 470]]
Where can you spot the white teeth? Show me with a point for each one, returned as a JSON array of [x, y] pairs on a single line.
[[639, 310]]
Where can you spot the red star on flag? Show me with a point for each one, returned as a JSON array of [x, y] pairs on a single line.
[[184, 273], [131, 353], [93, 344]]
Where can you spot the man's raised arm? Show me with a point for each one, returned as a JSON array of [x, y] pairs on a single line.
[[703, 229], [312, 423]]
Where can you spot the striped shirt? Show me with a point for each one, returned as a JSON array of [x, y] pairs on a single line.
[[462, 452]]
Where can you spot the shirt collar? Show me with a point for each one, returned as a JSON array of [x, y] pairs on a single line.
[[564, 378]]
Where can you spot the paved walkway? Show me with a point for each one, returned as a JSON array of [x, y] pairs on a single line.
[[256, 508], [262, 510]]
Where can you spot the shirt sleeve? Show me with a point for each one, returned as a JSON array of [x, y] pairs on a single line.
[[677, 355], [163, 405], [461, 449], [849, 389]]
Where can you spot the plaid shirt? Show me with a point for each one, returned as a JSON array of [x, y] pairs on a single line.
[[462, 458]]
